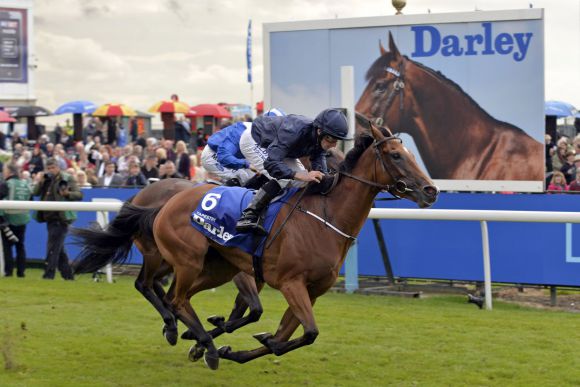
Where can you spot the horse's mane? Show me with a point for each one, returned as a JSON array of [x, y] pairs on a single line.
[[377, 69], [361, 143]]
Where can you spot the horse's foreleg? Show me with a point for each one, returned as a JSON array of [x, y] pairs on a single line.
[[247, 297], [299, 312]]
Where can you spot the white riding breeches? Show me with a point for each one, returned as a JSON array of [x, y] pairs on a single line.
[[212, 166]]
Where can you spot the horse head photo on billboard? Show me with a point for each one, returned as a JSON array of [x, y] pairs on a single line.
[[456, 138]]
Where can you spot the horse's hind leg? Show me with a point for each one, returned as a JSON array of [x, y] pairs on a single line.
[[145, 284]]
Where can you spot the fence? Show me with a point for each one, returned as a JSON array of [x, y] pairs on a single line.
[[482, 216]]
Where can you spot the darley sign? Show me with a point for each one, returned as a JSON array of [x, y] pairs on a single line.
[[429, 41]]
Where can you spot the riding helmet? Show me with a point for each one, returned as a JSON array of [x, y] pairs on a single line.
[[333, 123]]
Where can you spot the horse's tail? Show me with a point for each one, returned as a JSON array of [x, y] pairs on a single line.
[[113, 244]]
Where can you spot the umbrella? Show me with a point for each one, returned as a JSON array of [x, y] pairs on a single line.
[[209, 110], [169, 107], [559, 109], [30, 111], [76, 107], [114, 110], [5, 117]]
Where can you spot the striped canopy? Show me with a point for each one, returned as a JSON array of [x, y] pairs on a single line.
[[169, 107], [114, 110]]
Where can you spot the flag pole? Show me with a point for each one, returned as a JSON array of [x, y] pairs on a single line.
[[249, 63]]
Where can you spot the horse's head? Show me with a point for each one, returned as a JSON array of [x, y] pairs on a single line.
[[388, 95], [398, 169]]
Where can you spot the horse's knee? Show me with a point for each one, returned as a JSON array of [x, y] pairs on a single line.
[[255, 314], [139, 285], [310, 336]]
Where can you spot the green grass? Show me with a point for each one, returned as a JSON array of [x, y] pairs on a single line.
[[57, 333]]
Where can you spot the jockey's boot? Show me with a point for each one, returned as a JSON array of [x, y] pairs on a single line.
[[251, 220]]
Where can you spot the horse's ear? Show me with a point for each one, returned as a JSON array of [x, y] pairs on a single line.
[[383, 51], [376, 132], [393, 47]]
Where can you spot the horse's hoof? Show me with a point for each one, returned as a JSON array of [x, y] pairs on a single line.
[[170, 335], [195, 352], [187, 335], [263, 338], [217, 321], [212, 360], [224, 350]]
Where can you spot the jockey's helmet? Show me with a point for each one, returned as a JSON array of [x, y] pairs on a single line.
[[333, 123]]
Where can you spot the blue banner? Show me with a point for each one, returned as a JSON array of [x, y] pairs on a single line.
[[249, 51]]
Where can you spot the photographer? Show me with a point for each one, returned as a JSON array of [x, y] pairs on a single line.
[[56, 186]]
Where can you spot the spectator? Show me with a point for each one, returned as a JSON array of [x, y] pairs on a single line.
[[36, 163], [559, 156], [56, 186], [182, 130], [135, 178], [568, 168], [168, 146], [182, 159], [92, 177], [82, 180], [558, 182], [575, 184], [550, 150], [110, 178], [161, 154], [14, 188], [170, 171], [150, 170]]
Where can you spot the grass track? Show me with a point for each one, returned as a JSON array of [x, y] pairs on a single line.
[[57, 333]]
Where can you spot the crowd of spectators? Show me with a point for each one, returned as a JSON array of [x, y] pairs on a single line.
[[98, 161], [562, 164]]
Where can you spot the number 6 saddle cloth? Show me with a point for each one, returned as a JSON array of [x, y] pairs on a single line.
[[221, 207]]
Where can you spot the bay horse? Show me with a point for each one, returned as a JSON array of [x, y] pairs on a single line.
[[304, 260], [113, 245], [455, 137]]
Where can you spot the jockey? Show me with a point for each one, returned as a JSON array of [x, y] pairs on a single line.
[[222, 157], [273, 146]]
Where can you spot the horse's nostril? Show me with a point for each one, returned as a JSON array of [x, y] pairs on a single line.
[[430, 190]]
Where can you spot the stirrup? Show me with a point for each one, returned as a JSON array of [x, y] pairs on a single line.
[[249, 225]]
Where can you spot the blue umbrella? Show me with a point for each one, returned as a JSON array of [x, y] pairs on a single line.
[[76, 107], [559, 109]]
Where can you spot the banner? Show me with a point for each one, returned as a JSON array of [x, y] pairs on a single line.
[[465, 91], [249, 51], [13, 46]]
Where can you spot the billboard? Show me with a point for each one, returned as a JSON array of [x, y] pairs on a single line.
[[465, 91], [13, 46]]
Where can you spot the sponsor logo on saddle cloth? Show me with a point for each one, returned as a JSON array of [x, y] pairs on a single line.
[[219, 210]]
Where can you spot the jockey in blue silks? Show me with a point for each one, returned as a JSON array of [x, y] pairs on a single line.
[[273, 146], [222, 156]]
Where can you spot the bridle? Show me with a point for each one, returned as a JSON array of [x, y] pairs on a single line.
[[396, 189], [398, 88]]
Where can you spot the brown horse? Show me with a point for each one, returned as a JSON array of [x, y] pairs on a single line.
[[113, 244], [304, 260], [455, 137]]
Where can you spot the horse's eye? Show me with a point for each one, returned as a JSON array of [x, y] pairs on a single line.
[[396, 156], [381, 87]]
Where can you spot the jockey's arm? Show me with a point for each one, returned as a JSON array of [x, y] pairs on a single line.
[[226, 156], [318, 162]]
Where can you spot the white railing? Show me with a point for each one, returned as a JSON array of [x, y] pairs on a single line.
[[482, 216]]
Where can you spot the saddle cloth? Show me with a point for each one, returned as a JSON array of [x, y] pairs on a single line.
[[217, 213]]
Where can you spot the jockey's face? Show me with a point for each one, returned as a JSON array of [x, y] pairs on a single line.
[[328, 142]]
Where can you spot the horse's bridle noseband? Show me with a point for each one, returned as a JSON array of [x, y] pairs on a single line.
[[399, 187]]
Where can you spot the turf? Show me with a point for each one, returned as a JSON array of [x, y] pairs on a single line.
[[82, 333]]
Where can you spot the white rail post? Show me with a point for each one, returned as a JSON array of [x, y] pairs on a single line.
[[486, 264], [103, 220], [347, 102]]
